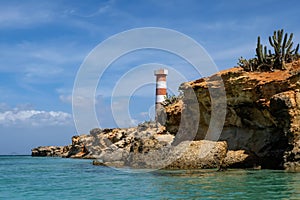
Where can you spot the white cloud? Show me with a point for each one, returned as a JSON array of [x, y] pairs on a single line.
[[101, 10], [65, 52], [25, 14], [17, 117], [65, 98], [41, 59], [144, 114], [40, 63]]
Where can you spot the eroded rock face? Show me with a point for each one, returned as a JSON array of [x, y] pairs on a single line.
[[262, 113], [286, 107]]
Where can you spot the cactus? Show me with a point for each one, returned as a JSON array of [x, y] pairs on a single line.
[[266, 60], [259, 51], [294, 54], [248, 65], [296, 50], [244, 63], [283, 49]]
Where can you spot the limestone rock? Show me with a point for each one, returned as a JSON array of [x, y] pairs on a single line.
[[50, 151], [187, 155], [201, 154], [262, 113], [240, 159]]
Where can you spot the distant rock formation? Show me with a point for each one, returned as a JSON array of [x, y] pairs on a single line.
[[50, 151]]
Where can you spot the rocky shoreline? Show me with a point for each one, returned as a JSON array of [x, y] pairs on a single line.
[[261, 128], [148, 145]]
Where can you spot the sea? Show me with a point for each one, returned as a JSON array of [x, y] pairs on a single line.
[[26, 177]]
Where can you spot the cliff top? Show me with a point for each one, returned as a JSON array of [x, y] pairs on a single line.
[[259, 77]]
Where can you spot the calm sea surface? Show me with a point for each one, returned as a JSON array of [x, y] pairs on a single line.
[[24, 177]]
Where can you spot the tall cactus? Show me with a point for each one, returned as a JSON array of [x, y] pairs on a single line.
[[283, 49], [296, 50], [276, 40], [259, 51], [264, 60]]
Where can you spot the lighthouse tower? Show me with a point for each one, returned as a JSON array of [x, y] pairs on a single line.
[[161, 91]]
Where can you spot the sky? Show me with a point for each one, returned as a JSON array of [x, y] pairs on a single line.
[[44, 44]]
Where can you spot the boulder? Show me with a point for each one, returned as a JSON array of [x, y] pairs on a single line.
[[201, 154], [240, 159], [187, 155]]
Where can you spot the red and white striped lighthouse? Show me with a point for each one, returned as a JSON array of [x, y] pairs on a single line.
[[161, 89]]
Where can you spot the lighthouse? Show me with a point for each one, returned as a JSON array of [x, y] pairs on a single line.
[[161, 92]]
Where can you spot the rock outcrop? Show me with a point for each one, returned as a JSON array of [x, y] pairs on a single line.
[[262, 120], [261, 127], [50, 151], [145, 146]]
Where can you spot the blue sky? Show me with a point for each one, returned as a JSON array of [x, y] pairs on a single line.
[[43, 44]]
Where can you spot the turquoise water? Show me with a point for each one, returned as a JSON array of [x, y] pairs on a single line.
[[24, 177]]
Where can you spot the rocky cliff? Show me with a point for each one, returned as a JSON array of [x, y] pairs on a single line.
[[262, 123], [261, 127]]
